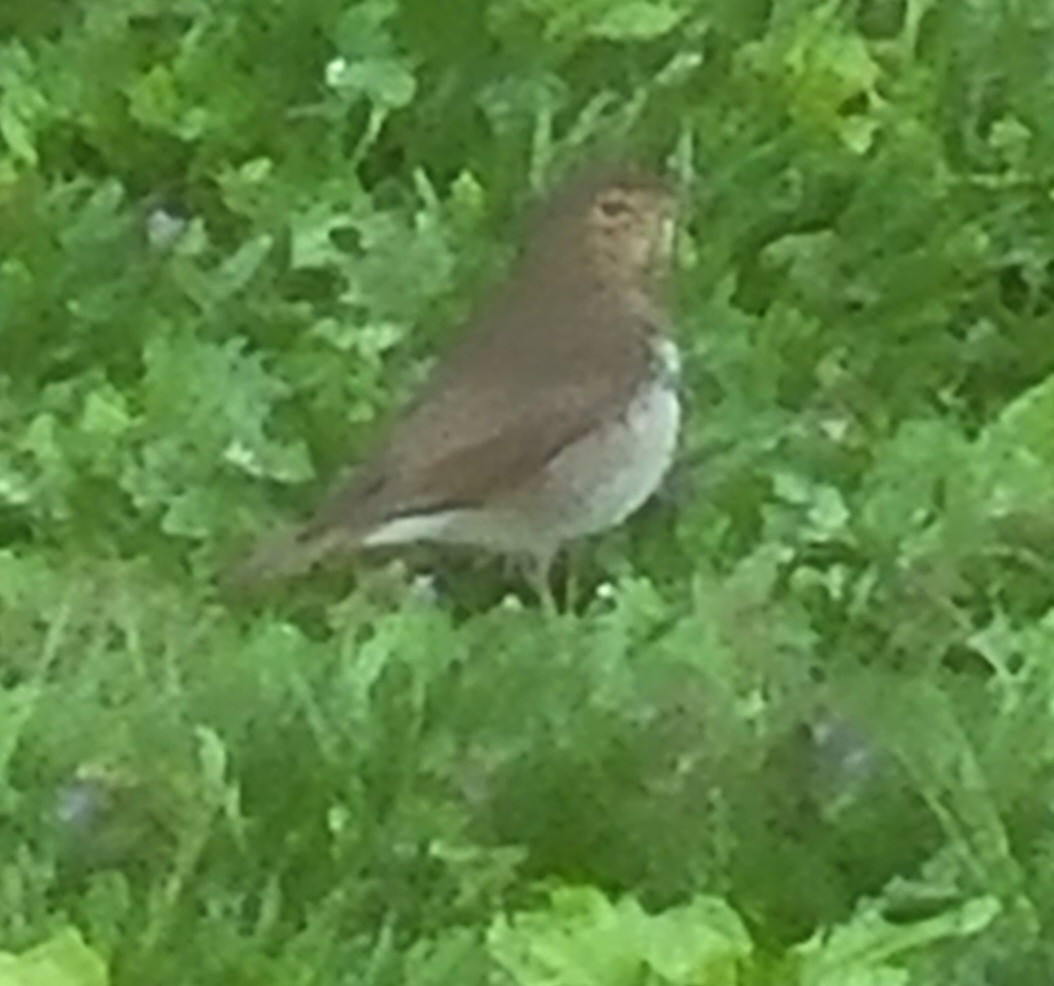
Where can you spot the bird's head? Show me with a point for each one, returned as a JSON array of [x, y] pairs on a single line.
[[630, 227], [618, 223]]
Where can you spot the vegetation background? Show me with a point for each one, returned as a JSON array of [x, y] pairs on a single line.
[[804, 731]]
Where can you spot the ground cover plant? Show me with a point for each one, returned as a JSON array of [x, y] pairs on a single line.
[[799, 728]]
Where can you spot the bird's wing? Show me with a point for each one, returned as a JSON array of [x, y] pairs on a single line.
[[470, 438], [442, 455]]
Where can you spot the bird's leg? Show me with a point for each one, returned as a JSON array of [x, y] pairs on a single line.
[[572, 569], [538, 568]]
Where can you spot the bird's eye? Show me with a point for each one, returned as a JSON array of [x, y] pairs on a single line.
[[613, 207]]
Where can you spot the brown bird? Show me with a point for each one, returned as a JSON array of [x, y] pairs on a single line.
[[556, 416]]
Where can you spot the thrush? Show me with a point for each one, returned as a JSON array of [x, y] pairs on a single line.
[[556, 415]]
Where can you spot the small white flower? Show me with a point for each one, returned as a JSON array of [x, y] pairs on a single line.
[[425, 587], [335, 69], [163, 228], [239, 455], [605, 592], [835, 429]]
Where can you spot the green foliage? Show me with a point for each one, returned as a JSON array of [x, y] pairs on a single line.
[[799, 729], [63, 960], [583, 938]]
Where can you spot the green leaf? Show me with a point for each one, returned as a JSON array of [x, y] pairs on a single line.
[[106, 413], [637, 20], [238, 269], [583, 939], [385, 82], [15, 486], [156, 101], [311, 237], [859, 953], [1012, 465], [818, 68], [63, 960], [22, 105], [1026, 424]]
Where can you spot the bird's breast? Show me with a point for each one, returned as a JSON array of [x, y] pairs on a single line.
[[605, 476]]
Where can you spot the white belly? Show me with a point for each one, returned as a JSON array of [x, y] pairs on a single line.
[[609, 474]]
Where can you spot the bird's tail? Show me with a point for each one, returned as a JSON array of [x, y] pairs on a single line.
[[285, 555]]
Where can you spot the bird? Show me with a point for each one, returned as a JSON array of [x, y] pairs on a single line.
[[554, 417]]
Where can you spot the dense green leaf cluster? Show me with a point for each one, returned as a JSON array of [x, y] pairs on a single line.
[[798, 732]]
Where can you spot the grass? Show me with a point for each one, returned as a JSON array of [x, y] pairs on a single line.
[[800, 735]]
